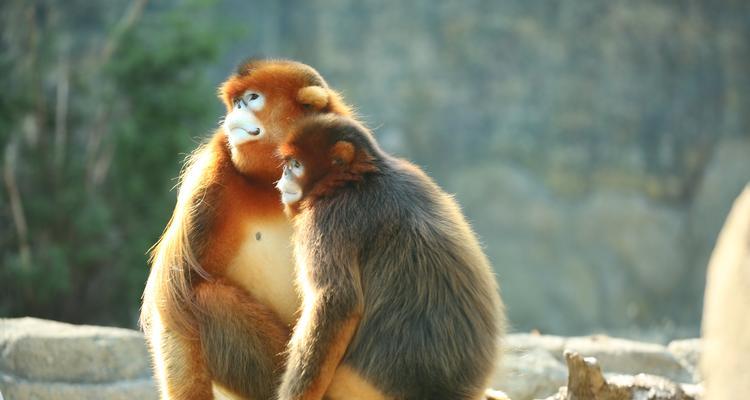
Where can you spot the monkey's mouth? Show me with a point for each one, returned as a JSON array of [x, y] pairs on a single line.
[[238, 136], [290, 191], [290, 197], [242, 127]]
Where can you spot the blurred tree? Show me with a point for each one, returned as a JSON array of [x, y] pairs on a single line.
[[99, 101]]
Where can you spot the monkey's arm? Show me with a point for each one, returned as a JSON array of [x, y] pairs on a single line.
[[243, 341], [330, 315]]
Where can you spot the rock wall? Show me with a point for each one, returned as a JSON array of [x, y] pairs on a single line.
[[595, 146]]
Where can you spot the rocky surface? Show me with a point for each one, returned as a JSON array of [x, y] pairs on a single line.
[[587, 382], [42, 360], [726, 320], [535, 365]]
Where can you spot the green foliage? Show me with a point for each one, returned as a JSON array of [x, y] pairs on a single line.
[[93, 213]]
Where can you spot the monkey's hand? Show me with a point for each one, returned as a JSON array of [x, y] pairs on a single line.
[[321, 337]]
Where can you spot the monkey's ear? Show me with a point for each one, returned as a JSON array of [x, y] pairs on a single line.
[[342, 153], [314, 96]]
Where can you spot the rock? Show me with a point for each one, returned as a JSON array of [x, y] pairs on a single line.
[[53, 360], [630, 357], [36, 349], [14, 388], [725, 363], [587, 382], [523, 342], [531, 374], [530, 368], [688, 353], [535, 365]]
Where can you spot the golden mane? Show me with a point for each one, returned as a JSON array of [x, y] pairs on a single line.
[[174, 258]]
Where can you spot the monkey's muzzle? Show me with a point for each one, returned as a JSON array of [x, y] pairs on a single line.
[[241, 126], [290, 190]]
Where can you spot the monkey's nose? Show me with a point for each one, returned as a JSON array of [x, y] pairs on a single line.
[[241, 127]]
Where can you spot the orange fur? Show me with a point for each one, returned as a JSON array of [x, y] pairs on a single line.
[[182, 359], [255, 329], [342, 152], [226, 200], [315, 96], [240, 201], [360, 166], [334, 355], [333, 162], [232, 300], [347, 384]]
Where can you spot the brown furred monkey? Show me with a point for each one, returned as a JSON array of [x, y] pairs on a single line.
[[396, 289], [220, 300]]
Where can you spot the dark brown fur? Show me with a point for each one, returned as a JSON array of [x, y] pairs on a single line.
[[378, 242]]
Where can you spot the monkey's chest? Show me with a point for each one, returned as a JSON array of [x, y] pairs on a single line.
[[263, 266]]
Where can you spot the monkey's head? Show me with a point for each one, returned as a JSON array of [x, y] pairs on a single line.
[[322, 154], [264, 98]]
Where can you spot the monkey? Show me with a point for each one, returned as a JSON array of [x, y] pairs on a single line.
[[219, 300], [396, 290]]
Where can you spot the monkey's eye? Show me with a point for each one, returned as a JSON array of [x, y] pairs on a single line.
[[296, 167], [253, 100]]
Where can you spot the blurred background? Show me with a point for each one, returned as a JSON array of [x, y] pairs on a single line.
[[595, 146]]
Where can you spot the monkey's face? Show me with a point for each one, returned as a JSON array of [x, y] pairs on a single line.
[[290, 183], [262, 104], [241, 124], [319, 157], [304, 174]]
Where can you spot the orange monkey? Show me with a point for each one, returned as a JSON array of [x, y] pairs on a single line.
[[220, 299]]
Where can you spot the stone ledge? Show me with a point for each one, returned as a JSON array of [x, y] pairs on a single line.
[[41, 350], [16, 388], [52, 360]]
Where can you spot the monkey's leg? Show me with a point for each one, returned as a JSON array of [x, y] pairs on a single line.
[[243, 340], [180, 368], [348, 384], [315, 351]]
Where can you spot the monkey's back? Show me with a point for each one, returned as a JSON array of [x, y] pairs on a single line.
[[432, 312]]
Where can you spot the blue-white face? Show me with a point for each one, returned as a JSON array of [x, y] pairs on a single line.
[[288, 185], [241, 125]]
